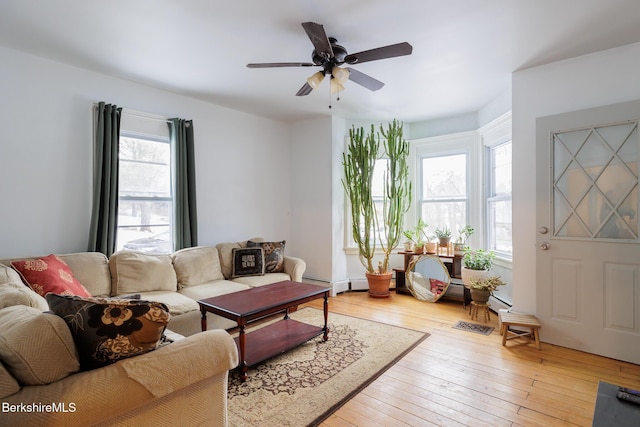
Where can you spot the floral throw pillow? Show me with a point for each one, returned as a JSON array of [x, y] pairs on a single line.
[[49, 275], [273, 255], [106, 330], [437, 286]]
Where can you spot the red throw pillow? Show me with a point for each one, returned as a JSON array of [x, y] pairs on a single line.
[[49, 275], [437, 286]]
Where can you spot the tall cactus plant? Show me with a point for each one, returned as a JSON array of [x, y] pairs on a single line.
[[397, 188], [359, 162]]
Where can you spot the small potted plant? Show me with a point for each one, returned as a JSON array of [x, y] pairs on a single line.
[[482, 288], [430, 245], [476, 264], [444, 235], [463, 235], [416, 236]]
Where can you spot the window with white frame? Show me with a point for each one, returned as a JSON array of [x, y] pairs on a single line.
[[498, 207], [443, 193], [145, 195]]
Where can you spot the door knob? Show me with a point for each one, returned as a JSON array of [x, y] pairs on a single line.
[[544, 246], [543, 230]]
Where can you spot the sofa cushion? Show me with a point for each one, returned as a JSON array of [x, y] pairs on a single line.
[[14, 292], [92, 270], [273, 255], [106, 330], [8, 276], [178, 304], [253, 281], [8, 384], [49, 274], [225, 252], [197, 265], [134, 272], [248, 262], [212, 289], [35, 347]]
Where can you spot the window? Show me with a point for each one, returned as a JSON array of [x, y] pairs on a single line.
[[499, 224], [443, 191], [377, 194], [145, 205]]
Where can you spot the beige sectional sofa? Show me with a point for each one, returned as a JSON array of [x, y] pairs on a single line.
[[185, 380]]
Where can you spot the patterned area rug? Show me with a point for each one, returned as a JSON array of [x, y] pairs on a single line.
[[305, 385], [473, 327]]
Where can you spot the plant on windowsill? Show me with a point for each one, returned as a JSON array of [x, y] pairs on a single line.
[[417, 236], [367, 229], [476, 264], [463, 235], [482, 289], [444, 235]]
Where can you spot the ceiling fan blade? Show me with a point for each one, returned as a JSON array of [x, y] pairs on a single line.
[[364, 80], [304, 90], [393, 50], [319, 39], [280, 64]]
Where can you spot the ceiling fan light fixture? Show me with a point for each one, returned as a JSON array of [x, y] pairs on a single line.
[[336, 86], [315, 80], [340, 74]]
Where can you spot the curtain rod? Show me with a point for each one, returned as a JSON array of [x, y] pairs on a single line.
[[134, 113]]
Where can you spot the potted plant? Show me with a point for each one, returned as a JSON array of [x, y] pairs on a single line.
[[430, 245], [444, 235], [367, 229], [476, 265], [482, 288], [417, 236], [463, 235]]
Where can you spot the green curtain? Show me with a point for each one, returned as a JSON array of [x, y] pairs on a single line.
[[185, 232], [104, 215]]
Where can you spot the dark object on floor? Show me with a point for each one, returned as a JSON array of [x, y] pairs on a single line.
[[473, 327], [613, 412]]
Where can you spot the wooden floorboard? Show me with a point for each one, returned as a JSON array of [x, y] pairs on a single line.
[[459, 378]]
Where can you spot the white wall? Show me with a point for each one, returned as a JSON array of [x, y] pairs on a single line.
[[317, 207], [243, 162], [603, 78]]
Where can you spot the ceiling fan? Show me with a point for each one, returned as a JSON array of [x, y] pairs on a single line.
[[329, 55]]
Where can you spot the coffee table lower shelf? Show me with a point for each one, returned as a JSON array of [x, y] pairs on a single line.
[[274, 339]]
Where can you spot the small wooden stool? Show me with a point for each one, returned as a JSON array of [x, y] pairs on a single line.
[[524, 320], [485, 310]]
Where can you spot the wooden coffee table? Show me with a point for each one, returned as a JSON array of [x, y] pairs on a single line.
[[256, 303]]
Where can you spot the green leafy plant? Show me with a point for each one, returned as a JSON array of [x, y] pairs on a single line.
[[418, 234], [487, 284], [464, 233], [443, 232], [478, 259]]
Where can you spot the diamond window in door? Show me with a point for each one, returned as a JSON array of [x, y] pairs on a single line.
[[595, 182]]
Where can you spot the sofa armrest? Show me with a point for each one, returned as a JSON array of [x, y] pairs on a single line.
[[98, 395], [294, 267]]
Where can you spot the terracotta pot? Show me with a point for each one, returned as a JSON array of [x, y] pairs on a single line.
[[431, 247], [379, 284]]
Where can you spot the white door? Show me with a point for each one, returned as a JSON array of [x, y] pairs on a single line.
[[588, 257]]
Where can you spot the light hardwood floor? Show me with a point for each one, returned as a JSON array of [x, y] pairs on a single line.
[[459, 378]]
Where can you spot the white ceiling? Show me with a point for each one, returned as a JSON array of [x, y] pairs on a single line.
[[464, 51]]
